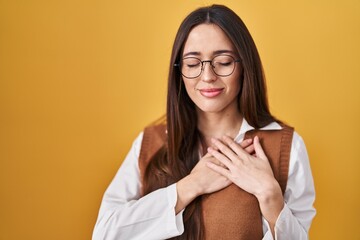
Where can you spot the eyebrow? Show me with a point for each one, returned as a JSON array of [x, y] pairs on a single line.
[[214, 53]]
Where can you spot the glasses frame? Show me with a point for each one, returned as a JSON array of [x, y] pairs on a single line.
[[211, 64]]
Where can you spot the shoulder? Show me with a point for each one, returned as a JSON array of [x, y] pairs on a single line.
[[299, 158], [298, 143], [154, 135], [136, 146], [154, 138], [147, 137], [158, 129]]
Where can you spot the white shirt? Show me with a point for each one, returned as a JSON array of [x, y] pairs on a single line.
[[125, 215]]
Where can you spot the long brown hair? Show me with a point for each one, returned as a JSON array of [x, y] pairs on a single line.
[[181, 152]]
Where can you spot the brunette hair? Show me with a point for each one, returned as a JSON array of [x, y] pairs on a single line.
[[181, 152]]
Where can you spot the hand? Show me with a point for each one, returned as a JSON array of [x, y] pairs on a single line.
[[252, 173], [209, 181], [203, 180]]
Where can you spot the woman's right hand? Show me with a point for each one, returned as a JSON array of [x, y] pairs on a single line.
[[203, 180], [206, 180]]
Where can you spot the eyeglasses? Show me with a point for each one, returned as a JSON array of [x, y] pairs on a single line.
[[221, 65]]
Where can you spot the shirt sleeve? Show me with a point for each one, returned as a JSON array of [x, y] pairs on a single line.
[[125, 215], [295, 218]]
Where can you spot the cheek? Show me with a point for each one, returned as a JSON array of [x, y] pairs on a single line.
[[189, 87], [236, 83], [235, 89]]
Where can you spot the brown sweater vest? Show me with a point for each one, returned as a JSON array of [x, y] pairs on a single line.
[[231, 213]]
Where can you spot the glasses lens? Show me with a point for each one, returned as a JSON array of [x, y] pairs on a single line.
[[223, 65], [191, 67]]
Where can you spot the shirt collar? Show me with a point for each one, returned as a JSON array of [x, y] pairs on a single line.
[[245, 127]]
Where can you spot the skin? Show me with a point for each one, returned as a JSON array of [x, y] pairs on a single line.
[[219, 120]]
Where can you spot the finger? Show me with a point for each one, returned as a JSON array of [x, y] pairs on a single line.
[[235, 147], [246, 143], [221, 157], [250, 149], [214, 147], [258, 149], [212, 159], [220, 170], [224, 149], [206, 155]]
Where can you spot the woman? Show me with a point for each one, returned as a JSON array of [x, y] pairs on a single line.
[[205, 174]]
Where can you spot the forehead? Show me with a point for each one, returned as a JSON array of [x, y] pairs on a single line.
[[206, 39]]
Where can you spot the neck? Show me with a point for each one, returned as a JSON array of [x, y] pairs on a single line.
[[216, 125]]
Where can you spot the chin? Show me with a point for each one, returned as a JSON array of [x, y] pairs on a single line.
[[210, 109]]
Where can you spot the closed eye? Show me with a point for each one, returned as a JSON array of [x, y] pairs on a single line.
[[193, 65], [225, 63]]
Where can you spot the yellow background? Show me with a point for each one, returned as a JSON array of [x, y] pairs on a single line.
[[80, 79]]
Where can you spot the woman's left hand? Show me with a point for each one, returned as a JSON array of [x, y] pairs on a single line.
[[252, 173]]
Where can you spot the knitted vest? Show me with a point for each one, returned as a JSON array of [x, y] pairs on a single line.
[[231, 213]]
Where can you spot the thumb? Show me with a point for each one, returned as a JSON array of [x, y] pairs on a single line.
[[258, 149]]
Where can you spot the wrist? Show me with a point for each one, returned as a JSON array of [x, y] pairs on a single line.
[[271, 193], [271, 203], [187, 191], [190, 187]]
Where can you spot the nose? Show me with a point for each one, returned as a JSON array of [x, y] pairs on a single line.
[[208, 74]]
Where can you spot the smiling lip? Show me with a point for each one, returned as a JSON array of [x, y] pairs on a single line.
[[211, 92]]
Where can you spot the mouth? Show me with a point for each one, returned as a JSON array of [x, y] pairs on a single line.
[[211, 92]]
